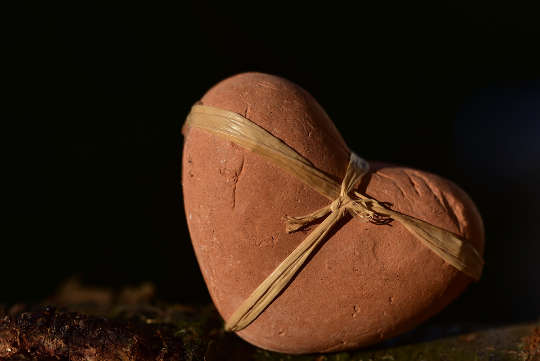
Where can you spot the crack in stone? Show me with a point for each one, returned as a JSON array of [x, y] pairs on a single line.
[[443, 202], [235, 182], [413, 183], [396, 183]]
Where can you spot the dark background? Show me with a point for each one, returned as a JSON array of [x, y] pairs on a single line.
[[98, 96]]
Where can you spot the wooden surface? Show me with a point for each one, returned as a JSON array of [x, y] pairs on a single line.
[[98, 324]]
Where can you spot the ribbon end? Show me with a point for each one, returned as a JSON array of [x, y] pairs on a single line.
[[231, 326], [293, 224]]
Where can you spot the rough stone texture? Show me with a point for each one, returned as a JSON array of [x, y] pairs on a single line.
[[367, 282]]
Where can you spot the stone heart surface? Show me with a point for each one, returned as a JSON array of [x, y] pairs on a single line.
[[367, 282]]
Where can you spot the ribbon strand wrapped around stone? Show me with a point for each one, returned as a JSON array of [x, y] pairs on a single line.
[[240, 130]]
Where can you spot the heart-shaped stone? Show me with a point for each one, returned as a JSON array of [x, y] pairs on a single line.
[[367, 282]]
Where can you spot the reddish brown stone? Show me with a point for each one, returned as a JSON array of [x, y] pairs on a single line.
[[367, 282]]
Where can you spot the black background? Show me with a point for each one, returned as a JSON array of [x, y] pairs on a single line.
[[98, 95]]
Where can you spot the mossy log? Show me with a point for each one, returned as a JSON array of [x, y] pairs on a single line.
[[97, 324]]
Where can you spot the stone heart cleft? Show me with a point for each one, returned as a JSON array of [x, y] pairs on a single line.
[[367, 282]]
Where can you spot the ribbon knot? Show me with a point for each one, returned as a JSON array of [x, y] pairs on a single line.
[[335, 205], [358, 205]]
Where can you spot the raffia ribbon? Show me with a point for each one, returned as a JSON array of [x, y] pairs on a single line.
[[242, 131]]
